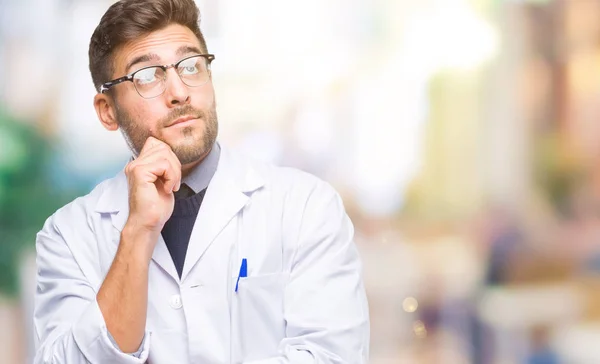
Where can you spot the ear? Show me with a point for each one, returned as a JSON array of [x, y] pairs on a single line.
[[105, 109]]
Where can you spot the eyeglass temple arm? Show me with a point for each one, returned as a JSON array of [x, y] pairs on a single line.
[[105, 86]]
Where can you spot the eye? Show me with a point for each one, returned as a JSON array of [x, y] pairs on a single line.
[[146, 76], [189, 70], [190, 66]]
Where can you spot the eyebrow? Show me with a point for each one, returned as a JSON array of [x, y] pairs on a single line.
[[154, 57], [143, 58], [187, 49]]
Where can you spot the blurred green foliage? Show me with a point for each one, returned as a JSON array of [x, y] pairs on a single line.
[[27, 196], [557, 170]]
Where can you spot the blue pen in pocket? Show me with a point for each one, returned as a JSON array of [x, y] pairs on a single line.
[[243, 272]]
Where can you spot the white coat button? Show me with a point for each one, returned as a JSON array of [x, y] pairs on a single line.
[[175, 302]]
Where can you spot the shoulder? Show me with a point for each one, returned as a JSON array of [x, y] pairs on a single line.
[[84, 207], [286, 180], [74, 223]]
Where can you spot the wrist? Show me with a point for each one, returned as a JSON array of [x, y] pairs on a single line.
[[140, 239], [133, 226]]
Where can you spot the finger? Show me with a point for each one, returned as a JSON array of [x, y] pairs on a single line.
[[176, 167], [151, 172], [154, 153], [150, 144], [163, 169], [172, 176], [161, 152]]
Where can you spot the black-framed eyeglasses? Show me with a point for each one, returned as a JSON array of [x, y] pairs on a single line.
[[151, 82]]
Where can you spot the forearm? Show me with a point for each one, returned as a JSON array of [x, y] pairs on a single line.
[[123, 297]]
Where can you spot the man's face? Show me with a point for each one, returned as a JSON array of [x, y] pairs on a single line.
[[139, 118]]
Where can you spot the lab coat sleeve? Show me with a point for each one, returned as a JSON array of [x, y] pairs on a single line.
[[325, 305], [136, 354], [68, 324]]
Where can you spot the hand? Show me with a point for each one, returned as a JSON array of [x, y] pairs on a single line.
[[152, 179]]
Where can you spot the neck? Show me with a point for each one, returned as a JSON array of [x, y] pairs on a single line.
[[187, 168]]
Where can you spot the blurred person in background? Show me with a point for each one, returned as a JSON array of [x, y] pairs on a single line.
[[192, 253]]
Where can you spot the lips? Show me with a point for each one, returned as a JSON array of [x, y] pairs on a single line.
[[182, 119]]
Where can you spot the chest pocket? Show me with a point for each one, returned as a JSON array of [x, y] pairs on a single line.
[[260, 238], [261, 324], [258, 324]]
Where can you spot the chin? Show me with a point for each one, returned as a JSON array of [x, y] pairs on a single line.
[[190, 153]]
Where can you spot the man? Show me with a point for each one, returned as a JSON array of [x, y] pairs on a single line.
[[192, 254]]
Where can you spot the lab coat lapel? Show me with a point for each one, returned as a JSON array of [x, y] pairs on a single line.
[[226, 195], [115, 200]]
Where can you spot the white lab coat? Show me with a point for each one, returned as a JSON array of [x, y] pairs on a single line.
[[302, 302]]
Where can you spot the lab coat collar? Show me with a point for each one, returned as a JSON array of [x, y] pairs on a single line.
[[228, 192]]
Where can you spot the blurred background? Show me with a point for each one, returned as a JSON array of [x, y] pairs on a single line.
[[462, 136]]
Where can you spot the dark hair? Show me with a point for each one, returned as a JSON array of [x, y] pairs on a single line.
[[127, 20]]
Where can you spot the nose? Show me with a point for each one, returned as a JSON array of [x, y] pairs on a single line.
[[177, 93]]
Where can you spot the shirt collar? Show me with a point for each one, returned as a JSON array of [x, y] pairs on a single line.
[[199, 177]]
